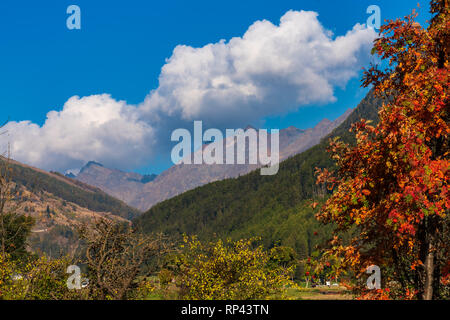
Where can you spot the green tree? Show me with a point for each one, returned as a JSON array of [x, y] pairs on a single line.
[[14, 228]]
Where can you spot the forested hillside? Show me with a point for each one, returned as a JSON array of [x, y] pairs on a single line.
[[69, 190], [57, 204], [273, 207]]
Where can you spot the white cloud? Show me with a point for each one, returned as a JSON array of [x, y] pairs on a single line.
[[94, 127], [269, 70]]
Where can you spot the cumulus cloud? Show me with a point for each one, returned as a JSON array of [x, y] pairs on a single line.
[[94, 127], [271, 69]]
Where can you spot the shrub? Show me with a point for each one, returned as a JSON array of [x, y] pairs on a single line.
[[228, 270]]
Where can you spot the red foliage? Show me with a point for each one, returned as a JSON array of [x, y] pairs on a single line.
[[393, 185]]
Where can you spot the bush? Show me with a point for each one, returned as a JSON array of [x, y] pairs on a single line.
[[228, 270], [40, 279]]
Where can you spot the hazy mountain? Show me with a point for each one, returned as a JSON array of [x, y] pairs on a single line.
[[183, 177], [299, 142], [122, 185]]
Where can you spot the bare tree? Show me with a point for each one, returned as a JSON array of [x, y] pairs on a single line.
[[117, 256]]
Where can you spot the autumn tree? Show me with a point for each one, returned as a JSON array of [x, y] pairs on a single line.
[[223, 270], [391, 188], [39, 279]]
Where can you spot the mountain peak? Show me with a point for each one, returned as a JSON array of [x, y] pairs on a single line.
[[292, 129], [70, 175], [90, 164], [93, 163], [324, 122], [288, 134]]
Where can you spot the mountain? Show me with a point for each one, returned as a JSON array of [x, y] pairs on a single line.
[[122, 185], [184, 177], [145, 191], [308, 138], [57, 203], [275, 208]]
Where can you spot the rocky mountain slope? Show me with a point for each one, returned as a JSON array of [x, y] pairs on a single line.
[[122, 185]]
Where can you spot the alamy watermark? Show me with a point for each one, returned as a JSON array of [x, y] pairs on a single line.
[[75, 282], [74, 20], [374, 281], [374, 20], [229, 150]]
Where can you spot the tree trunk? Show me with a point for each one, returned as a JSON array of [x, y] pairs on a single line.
[[437, 279], [429, 270]]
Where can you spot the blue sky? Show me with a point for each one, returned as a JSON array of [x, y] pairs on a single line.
[[123, 45]]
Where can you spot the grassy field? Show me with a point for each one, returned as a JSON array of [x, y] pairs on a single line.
[[320, 293], [297, 293]]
